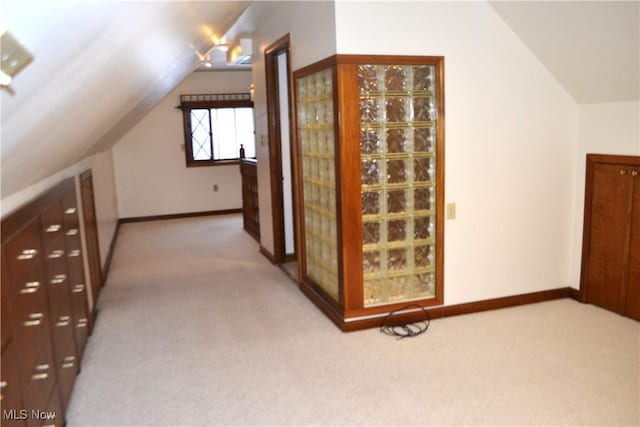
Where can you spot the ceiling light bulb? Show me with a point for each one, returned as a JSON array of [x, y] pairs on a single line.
[[5, 79]]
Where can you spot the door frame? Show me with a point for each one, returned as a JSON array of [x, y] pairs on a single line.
[[87, 199], [271, 54]]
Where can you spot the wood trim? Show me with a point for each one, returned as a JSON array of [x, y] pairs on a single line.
[[275, 151], [107, 261], [268, 255], [388, 59], [348, 184], [460, 309], [574, 294], [179, 215]]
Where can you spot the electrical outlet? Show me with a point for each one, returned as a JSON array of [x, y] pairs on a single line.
[[215, 187]]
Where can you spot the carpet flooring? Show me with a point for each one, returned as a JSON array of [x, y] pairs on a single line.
[[196, 328]]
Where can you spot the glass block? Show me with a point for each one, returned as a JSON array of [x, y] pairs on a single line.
[[395, 78], [422, 169], [371, 232], [396, 171], [396, 201], [397, 141], [396, 230], [373, 292], [398, 288], [369, 141], [371, 261], [422, 78], [423, 109], [397, 109], [423, 256], [370, 172], [423, 227], [424, 285], [370, 203], [368, 78], [423, 139], [423, 198], [397, 259], [369, 110]]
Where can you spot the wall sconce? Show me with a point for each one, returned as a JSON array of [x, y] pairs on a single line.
[[252, 91], [14, 57]]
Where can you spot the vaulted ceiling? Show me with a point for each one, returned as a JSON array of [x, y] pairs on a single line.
[[591, 47], [99, 66]]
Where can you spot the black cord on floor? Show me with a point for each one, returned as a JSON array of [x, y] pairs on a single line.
[[406, 330]]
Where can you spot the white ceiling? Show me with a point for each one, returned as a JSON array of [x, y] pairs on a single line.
[[591, 47], [98, 67]]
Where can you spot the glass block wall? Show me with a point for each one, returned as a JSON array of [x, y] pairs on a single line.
[[317, 141], [397, 158]]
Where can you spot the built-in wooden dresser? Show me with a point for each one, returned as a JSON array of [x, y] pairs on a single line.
[[45, 317]]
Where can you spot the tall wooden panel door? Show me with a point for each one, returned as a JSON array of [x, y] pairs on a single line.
[[611, 242]]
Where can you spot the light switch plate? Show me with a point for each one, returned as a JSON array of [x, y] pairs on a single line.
[[451, 211]]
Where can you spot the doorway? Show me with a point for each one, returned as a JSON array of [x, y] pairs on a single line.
[[281, 157]]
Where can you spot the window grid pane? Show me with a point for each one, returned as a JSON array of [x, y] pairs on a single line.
[[200, 136]]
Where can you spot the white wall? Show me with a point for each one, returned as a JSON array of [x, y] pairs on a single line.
[[312, 28], [510, 142], [151, 174], [612, 128]]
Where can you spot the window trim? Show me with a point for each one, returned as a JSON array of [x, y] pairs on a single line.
[[208, 101]]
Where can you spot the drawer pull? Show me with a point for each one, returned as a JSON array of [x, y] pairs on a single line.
[[58, 278], [27, 254], [53, 228], [31, 323], [82, 323], [634, 173], [42, 367], [78, 288], [42, 376], [64, 321], [70, 211], [3, 384], [56, 254], [30, 287], [35, 316], [69, 358], [68, 365], [72, 232], [74, 253]]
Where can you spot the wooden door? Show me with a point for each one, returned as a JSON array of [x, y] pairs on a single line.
[[610, 267], [632, 303], [91, 233]]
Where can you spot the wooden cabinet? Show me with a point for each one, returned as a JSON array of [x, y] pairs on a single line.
[[370, 153], [44, 308], [250, 210], [610, 275]]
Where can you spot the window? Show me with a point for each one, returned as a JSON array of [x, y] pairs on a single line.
[[216, 126]]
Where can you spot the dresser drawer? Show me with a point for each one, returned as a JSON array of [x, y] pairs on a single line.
[[13, 413]]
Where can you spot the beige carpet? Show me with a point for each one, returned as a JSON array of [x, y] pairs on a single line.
[[197, 328]]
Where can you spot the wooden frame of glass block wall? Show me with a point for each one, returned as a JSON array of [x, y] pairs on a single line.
[[370, 132]]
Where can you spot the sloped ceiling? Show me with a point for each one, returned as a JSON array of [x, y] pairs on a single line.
[[591, 47], [98, 67]]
